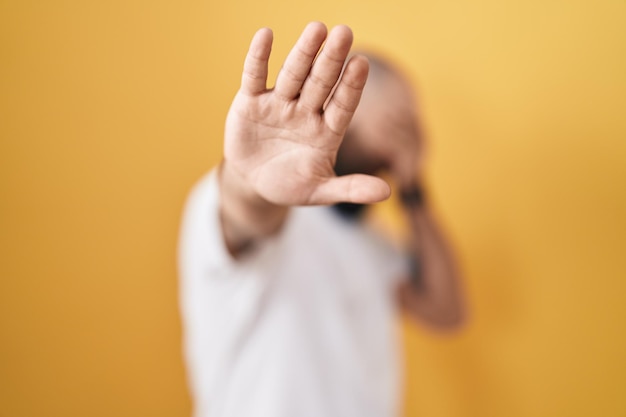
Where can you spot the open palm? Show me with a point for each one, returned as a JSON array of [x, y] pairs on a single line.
[[283, 141]]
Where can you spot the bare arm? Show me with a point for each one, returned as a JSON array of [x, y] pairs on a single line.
[[280, 144], [432, 294]]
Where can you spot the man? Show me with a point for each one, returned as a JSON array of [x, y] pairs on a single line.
[[289, 307]]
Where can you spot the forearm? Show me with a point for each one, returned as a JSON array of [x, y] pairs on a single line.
[[245, 216], [433, 291]]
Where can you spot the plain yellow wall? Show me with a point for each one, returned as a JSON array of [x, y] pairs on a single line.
[[110, 110]]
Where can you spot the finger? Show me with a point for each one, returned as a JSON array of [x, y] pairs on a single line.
[[354, 188], [298, 62], [254, 78], [345, 99], [327, 68]]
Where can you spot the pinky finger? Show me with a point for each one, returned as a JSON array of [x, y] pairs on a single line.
[[254, 77]]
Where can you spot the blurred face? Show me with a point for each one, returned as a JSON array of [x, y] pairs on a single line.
[[384, 134]]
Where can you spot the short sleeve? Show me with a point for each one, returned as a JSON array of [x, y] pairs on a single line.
[[201, 246]]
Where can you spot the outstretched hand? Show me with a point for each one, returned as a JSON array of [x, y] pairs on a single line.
[[282, 142]]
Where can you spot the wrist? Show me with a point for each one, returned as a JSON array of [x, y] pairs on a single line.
[[245, 211], [235, 188]]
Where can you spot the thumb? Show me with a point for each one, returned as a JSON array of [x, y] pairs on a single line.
[[354, 188]]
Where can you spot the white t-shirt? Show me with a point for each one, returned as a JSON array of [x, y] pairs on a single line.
[[304, 325]]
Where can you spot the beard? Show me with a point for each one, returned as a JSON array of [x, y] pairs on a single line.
[[350, 211]]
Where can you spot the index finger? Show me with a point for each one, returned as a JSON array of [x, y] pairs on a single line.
[[345, 99]]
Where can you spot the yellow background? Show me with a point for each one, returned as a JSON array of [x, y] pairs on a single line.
[[110, 110]]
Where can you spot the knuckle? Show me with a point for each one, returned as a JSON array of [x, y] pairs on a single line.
[[321, 81]]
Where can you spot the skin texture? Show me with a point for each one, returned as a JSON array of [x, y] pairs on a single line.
[[282, 146]]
